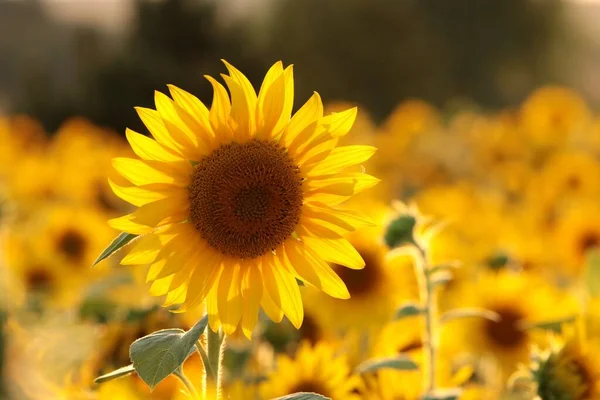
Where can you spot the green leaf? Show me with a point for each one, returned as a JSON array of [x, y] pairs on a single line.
[[400, 231], [303, 396], [592, 273], [123, 371], [401, 363], [408, 310], [115, 245], [443, 394], [159, 354], [469, 313], [554, 326]]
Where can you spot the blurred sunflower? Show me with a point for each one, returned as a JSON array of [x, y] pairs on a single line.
[[570, 370], [403, 337], [520, 300], [577, 234], [313, 369], [255, 191], [551, 114], [386, 280], [83, 179]]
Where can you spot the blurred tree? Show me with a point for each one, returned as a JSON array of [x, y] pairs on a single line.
[[379, 52]]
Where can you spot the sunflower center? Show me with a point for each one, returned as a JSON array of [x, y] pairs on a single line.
[[361, 281], [246, 199], [72, 244], [588, 241], [309, 387], [38, 279], [506, 332]]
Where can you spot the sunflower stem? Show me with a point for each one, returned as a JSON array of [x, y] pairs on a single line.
[[216, 347], [429, 334], [191, 389], [207, 369]]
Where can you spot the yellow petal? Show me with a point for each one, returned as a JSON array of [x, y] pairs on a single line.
[[160, 287], [314, 270], [141, 172], [206, 273], [140, 195], [270, 301], [126, 223], [149, 149], [144, 249], [247, 99], [347, 219], [310, 112], [194, 107], [219, 111], [252, 288], [337, 251], [339, 159], [154, 123], [291, 301], [211, 309], [242, 115], [229, 296], [339, 124]]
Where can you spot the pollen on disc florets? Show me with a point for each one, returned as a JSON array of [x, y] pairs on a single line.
[[246, 198]]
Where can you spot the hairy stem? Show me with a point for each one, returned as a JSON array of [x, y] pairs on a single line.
[[216, 347], [429, 334]]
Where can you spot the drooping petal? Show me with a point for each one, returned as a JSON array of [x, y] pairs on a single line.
[[206, 274], [271, 299], [291, 301], [145, 249], [229, 297], [314, 270], [337, 251], [252, 288]]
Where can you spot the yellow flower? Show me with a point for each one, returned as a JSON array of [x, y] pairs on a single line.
[[577, 233], [569, 371], [551, 114], [385, 281], [520, 299], [239, 201], [403, 337], [314, 369]]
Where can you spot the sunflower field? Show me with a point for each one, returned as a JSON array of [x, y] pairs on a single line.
[[248, 238]]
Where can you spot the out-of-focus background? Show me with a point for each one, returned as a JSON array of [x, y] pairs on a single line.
[[98, 58], [485, 113]]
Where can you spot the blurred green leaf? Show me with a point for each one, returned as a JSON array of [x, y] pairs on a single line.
[[592, 273], [469, 313], [408, 310], [159, 354], [123, 371], [400, 231], [303, 396], [115, 245], [400, 363], [554, 326]]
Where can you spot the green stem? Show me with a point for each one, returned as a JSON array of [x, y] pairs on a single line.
[[206, 364], [215, 342], [193, 392], [428, 334]]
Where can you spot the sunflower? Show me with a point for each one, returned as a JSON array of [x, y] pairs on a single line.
[[314, 369], [577, 234], [520, 300], [403, 337], [552, 114], [569, 370], [239, 201], [386, 280]]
